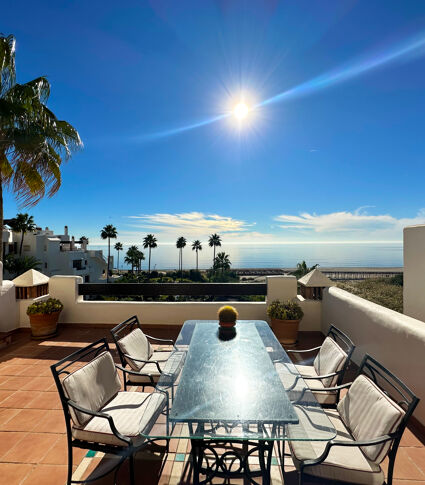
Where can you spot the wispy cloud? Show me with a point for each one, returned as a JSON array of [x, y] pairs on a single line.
[[358, 222]]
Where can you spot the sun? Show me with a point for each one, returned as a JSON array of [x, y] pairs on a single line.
[[241, 111]]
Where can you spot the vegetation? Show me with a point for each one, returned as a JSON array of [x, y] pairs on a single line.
[[222, 262], [134, 258], [118, 247], [150, 242], [22, 223], [33, 141], [197, 246], [84, 238], [303, 269], [108, 232], [288, 310], [16, 266], [387, 292], [214, 241], [180, 244], [227, 314], [52, 305]]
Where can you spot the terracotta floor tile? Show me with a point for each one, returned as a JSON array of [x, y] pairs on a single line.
[[405, 467], [47, 475], [39, 384], [58, 454], [24, 420], [11, 370], [19, 399], [8, 439], [13, 473], [4, 394], [31, 448], [38, 371], [3, 379], [417, 455], [411, 439], [44, 400], [6, 415], [15, 383], [53, 421]]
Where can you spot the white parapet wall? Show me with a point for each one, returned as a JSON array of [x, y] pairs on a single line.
[[394, 339], [78, 311], [414, 272]]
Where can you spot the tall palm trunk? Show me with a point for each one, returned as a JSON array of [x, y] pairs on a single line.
[[118, 261], [150, 260], [1, 219], [196, 260], [22, 242], [109, 254]]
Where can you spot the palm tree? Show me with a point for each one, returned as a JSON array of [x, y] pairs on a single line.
[[139, 257], [33, 142], [84, 238], [150, 242], [222, 261], [180, 244], [196, 246], [118, 247], [108, 232], [303, 269], [22, 223], [131, 257], [214, 241]]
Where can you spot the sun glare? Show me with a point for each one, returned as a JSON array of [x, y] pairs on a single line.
[[241, 111]]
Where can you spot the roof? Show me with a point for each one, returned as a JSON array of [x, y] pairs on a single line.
[[31, 278], [315, 278]]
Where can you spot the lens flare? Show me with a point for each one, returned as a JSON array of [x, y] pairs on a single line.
[[241, 111]]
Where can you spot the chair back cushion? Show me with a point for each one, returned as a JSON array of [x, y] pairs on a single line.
[[331, 358], [92, 386], [137, 345], [369, 413]]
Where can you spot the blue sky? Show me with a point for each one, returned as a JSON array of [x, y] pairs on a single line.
[[338, 157]]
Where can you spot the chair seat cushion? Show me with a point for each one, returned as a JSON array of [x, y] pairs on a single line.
[[169, 368], [161, 355], [137, 345], [134, 413], [346, 464], [328, 397]]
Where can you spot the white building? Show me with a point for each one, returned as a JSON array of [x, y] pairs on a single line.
[[59, 254]]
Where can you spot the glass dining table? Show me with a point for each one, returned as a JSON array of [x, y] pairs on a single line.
[[234, 393]]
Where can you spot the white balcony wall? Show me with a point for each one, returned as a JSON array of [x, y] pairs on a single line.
[[394, 339], [414, 272]]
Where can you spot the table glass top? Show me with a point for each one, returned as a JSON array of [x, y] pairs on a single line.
[[236, 385]]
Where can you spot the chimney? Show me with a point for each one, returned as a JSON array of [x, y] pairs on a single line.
[[66, 230]]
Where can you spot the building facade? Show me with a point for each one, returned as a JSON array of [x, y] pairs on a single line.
[[58, 254]]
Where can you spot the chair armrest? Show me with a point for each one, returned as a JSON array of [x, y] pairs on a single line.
[[334, 388], [144, 361], [321, 377], [330, 444], [168, 340], [97, 414], [135, 373], [303, 351]]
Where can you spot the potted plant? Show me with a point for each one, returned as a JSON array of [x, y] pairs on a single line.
[[44, 316], [227, 316], [285, 319]]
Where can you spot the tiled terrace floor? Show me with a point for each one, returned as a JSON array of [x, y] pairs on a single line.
[[32, 428]]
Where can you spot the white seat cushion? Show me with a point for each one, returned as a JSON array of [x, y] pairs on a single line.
[[137, 345], [347, 464], [369, 413], [328, 397], [331, 358], [160, 355], [171, 368], [134, 414], [92, 386]]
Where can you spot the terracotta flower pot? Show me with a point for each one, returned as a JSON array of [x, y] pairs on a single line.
[[286, 331], [227, 324], [44, 325]]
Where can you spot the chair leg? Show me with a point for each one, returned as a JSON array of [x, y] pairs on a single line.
[[131, 466], [69, 479], [300, 477]]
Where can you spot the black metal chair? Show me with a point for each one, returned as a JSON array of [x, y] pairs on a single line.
[[329, 366], [370, 420], [98, 415], [135, 350]]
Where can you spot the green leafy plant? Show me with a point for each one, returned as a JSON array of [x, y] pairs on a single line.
[[288, 310], [51, 305], [227, 314]]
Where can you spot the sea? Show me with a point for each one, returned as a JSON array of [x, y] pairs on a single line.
[[373, 255]]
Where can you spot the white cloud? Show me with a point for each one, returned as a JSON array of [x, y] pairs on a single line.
[[359, 223]]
